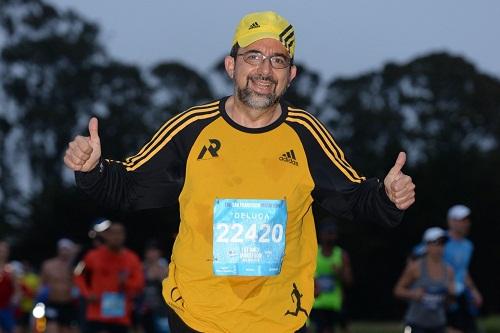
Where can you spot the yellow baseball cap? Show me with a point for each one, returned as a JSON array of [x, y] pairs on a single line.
[[260, 25]]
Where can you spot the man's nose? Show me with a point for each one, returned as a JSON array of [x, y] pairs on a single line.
[[265, 66]]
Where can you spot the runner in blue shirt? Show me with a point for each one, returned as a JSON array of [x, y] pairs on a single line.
[[458, 253]]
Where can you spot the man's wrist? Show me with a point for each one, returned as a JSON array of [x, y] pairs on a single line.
[[89, 178]]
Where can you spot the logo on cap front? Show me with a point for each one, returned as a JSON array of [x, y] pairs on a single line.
[[253, 26]]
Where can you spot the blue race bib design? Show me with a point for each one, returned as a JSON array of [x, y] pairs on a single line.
[[113, 305], [434, 298], [248, 236]]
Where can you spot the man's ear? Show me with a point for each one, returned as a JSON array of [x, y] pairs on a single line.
[[293, 73], [229, 65]]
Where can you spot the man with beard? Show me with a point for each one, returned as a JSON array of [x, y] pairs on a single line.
[[244, 170]]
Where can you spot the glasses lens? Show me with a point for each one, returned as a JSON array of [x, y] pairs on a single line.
[[256, 58], [253, 58], [279, 62]]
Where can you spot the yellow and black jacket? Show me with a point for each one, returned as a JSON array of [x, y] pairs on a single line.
[[201, 155]]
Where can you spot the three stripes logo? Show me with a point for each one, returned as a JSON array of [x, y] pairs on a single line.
[[289, 157], [287, 37], [253, 26]]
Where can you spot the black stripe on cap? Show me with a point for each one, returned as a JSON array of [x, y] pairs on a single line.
[[285, 32]]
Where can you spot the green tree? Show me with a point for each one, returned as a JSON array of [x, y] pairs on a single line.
[[176, 88], [304, 88], [55, 74], [46, 60], [444, 113], [432, 106]]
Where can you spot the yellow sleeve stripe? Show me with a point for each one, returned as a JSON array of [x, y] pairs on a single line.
[[325, 140], [326, 135], [151, 153], [167, 125], [150, 146], [327, 152]]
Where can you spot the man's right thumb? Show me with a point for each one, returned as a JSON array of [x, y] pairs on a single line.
[[93, 129]]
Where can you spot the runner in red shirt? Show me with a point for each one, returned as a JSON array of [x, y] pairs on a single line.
[[7, 290], [109, 277]]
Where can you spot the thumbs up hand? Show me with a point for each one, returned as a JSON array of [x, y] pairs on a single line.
[[84, 152], [399, 187]]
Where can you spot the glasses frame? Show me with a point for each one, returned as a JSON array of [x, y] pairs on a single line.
[[263, 58]]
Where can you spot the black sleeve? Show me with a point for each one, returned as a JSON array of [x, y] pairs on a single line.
[[338, 187], [365, 201], [154, 184], [154, 177]]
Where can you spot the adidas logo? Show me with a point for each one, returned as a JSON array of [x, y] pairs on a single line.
[[253, 26], [289, 157]]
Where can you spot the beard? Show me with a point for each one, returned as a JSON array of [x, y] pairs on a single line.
[[256, 100]]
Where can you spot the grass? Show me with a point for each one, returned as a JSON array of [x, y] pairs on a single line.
[[490, 324], [376, 327], [487, 324]]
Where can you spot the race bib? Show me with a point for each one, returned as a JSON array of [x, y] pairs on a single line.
[[248, 236], [113, 305], [432, 302], [326, 284], [434, 298]]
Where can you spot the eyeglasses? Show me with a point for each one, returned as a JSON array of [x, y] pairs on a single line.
[[256, 58]]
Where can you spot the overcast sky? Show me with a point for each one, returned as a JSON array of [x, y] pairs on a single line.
[[334, 37]]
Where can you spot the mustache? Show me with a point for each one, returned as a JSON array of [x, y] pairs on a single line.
[[262, 77]]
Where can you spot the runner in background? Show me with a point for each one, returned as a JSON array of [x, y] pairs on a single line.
[[110, 277], [153, 308], [458, 253], [8, 290], [61, 308], [333, 275], [30, 284], [426, 284]]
